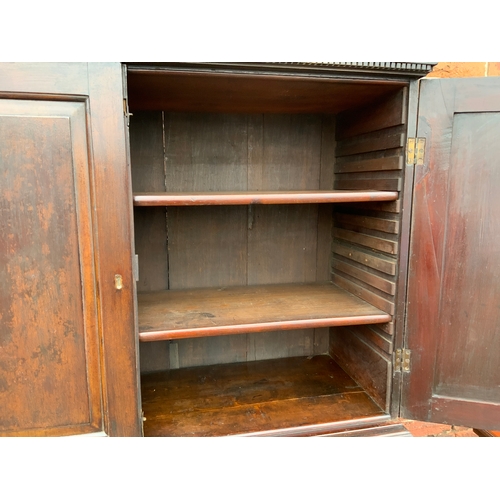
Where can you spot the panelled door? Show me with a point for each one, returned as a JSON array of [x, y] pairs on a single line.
[[67, 344], [453, 313]]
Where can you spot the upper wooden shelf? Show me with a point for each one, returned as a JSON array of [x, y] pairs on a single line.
[[259, 197], [203, 312]]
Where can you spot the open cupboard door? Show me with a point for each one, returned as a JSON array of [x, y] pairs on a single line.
[[453, 314], [67, 346]]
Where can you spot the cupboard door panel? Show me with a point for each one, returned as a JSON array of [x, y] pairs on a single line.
[[49, 370], [454, 285]]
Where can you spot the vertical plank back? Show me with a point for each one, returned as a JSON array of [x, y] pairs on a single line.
[[224, 246]]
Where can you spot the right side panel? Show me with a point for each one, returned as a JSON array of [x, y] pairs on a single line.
[[453, 315]]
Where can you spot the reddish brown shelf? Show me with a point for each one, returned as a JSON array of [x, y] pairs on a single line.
[[259, 197], [208, 312]]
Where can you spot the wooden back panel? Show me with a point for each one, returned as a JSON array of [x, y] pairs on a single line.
[[183, 247]]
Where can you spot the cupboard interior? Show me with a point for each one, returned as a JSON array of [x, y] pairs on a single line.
[[269, 310]]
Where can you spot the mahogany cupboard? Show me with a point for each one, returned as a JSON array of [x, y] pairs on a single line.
[[317, 249]]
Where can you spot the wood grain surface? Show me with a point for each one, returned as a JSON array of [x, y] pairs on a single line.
[[219, 311], [252, 397], [259, 197]]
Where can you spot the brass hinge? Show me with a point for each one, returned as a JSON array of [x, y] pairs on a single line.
[[126, 112], [415, 151], [402, 358]]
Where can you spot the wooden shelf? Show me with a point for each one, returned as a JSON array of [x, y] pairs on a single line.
[[259, 197], [290, 396], [207, 312]]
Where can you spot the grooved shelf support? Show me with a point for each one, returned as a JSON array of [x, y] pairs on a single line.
[[259, 197], [208, 312]]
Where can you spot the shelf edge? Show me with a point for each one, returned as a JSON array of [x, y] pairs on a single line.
[[258, 198], [153, 336]]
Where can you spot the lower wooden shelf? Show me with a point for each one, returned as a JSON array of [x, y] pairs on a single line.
[[290, 396], [176, 314]]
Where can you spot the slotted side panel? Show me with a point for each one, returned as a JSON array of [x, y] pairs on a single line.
[[365, 251]]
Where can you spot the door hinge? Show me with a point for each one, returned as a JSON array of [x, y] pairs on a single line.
[[402, 359], [135, 267], [415, 151], [126, 112]]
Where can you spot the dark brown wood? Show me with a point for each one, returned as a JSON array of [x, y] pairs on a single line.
[[369, 153], [263, 396], [113, 208], [276, 344], [325, 221], [388, 328], [102, 254], [392, 207], [398, 326], [200, 153], [44, 80], [380, 262], [288, 152], [225, 92], [49, 368], [207, 246], [154, 356], [259, 197], [328, 153], [282, 244], [368, 366], [370, 165], [453, 313], [374, 223], [372, 335], [386, 113], [223, 311], [147, 151], [358, 288], [150, 224], [150, 232], [454, 274], [211, 350], [379, 140], [372, 242], [370, 278], [268, 418], [283, 248], [205, 152], [291, 153], [363, 183]]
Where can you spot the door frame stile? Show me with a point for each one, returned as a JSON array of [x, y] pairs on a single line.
[[400, 340], [126, 118]]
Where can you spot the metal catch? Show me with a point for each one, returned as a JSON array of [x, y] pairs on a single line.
[[118, 281]]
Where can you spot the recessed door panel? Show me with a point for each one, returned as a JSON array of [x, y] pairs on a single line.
[[49, 371]]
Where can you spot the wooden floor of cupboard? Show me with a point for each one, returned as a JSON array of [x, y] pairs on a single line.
[[291, 396]]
